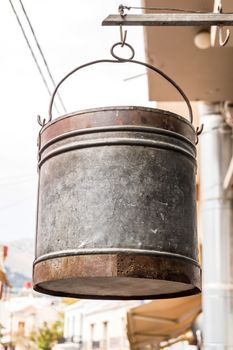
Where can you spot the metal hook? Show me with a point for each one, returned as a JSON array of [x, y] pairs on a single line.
[[123, 36], [223, 42], [40, 121], [121, 9], [199, 130], [122, 14]]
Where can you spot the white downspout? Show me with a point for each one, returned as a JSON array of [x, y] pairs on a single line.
[[217, 229]]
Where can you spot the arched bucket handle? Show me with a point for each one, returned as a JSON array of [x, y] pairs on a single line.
[[122, 60]]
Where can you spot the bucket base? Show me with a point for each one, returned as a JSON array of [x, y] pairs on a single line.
[[117, 276]]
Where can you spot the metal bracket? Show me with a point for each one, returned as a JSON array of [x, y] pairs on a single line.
[[214, 29]]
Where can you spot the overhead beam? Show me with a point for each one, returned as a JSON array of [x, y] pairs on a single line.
[[171, 19]]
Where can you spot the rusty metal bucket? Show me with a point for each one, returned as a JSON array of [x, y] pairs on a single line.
[[117, 204]]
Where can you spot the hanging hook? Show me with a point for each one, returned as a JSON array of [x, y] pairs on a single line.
[[199, 130], [40, 121], [123, 36], [121, 9], [222, 42]]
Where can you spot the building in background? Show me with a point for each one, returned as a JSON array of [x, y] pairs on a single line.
[[96, 325], [4, 282], [4, 287], [25, 315]]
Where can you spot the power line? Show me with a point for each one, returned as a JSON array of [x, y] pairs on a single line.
[[32, 52], [13, 183], [41, 52], [10, 205]]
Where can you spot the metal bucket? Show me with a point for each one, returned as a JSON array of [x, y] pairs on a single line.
[[117, 205]]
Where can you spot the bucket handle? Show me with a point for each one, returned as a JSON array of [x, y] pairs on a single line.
[[119, 60]]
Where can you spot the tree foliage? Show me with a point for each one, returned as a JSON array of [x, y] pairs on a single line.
[[47, 335]]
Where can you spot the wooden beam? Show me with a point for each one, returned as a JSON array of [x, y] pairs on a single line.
[[171, 19]]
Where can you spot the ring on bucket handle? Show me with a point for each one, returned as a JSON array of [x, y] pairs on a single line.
[[120, 60]]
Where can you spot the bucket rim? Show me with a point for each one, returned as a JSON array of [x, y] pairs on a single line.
[[126, 107]]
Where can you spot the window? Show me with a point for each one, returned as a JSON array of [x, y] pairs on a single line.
[[105, 335], [92, 334], [21, 328]]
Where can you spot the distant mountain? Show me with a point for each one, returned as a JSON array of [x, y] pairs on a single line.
[[19, 261], [16, 279]]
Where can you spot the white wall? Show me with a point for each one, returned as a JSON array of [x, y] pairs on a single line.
[[103, 322], [4, 314]]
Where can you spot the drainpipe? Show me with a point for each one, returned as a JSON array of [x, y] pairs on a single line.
[[217, 229]]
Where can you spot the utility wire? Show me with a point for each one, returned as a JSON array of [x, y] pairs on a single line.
[[8, 206], [41, 52], [32, 52], [12, 183], [134, 77]]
